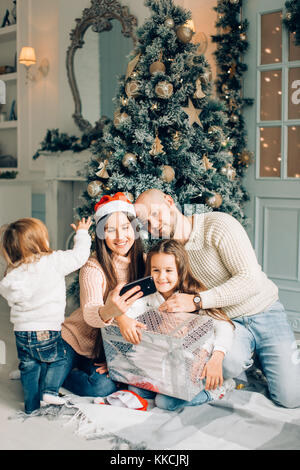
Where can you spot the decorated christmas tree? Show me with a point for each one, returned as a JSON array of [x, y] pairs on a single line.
[[168, 131], [232, 44]]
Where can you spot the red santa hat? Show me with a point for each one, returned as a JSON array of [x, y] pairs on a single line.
[[110, 204]]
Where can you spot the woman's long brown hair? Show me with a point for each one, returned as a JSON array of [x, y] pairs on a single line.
[[105, 259], [187, 283]]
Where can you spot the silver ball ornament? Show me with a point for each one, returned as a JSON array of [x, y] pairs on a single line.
[[169, 23]]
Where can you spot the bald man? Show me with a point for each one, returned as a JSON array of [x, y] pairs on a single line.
[[222, 257]]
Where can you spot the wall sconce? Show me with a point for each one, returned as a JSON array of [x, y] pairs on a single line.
[[27, 57], [198, 37]]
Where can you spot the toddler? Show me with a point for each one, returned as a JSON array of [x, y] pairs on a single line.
[[34, 287], [168, 264]]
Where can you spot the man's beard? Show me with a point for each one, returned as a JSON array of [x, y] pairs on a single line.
[[171, 233]]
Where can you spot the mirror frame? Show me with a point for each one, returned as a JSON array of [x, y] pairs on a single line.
[[99, 17]]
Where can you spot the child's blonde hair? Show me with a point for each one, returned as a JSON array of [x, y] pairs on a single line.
[[24, 241], [187, 283]]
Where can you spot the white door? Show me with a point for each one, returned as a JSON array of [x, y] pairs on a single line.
[[273, 126]]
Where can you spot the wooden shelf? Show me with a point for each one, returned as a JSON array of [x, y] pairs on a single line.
[[8, 124], [8, 32], [6, 77]]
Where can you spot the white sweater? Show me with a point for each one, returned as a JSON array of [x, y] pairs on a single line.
[[222, 257], [221, 340], [36, 292]]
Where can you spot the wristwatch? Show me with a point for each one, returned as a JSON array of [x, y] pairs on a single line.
[[197, 302]]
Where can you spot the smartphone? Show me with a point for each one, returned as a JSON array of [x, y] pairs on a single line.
[[146, 283]]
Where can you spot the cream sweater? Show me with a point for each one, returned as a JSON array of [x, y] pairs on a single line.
[[222, 257]]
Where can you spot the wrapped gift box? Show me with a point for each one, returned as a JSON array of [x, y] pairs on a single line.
[[164, 361]]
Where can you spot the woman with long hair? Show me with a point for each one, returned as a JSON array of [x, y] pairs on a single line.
[[118, 259]]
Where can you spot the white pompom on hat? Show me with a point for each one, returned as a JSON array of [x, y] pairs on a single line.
[[110, 204]]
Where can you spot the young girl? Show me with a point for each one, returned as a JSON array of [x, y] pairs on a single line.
[[34, 287], [168, 264]]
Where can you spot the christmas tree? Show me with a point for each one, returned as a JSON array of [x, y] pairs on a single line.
[[232, 44], [168, 131]]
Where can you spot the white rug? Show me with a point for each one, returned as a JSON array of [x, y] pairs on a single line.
[[242, 420]]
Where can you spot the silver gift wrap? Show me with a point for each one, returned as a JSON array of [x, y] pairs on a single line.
[[165, 359]]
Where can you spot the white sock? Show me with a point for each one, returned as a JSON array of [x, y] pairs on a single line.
[[15, 375], [99, 401], [53, 399]]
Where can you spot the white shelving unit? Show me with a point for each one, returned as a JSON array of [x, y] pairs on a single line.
[[9, 31], [9, 128]]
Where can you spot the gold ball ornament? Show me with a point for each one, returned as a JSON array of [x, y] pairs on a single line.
[[167, 173], [129, 159], [164, 90], [94, 188], [184, 34], [214, 201], [120, 118], [157, 67], [133, 89], [169, 23]]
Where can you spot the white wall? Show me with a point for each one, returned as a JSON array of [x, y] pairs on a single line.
[[49, 103]]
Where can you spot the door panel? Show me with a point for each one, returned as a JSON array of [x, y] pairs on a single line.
[[273, 126]]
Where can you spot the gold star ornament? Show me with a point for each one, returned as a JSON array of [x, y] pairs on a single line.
[[193, 114]]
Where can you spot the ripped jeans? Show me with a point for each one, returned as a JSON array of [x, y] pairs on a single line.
[[268, 334]]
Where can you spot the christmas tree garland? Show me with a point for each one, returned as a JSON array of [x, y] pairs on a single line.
[[8, 175], [56, 141], [232, 44], [292, 19]]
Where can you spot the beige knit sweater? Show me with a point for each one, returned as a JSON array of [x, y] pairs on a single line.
[[222, 257], [80, 329]]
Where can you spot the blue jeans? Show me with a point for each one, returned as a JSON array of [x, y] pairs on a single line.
[[42, 359], [270, 336], [81, 378], [171, 403]]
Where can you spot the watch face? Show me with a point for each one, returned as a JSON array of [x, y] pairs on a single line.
[[197, 300]]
